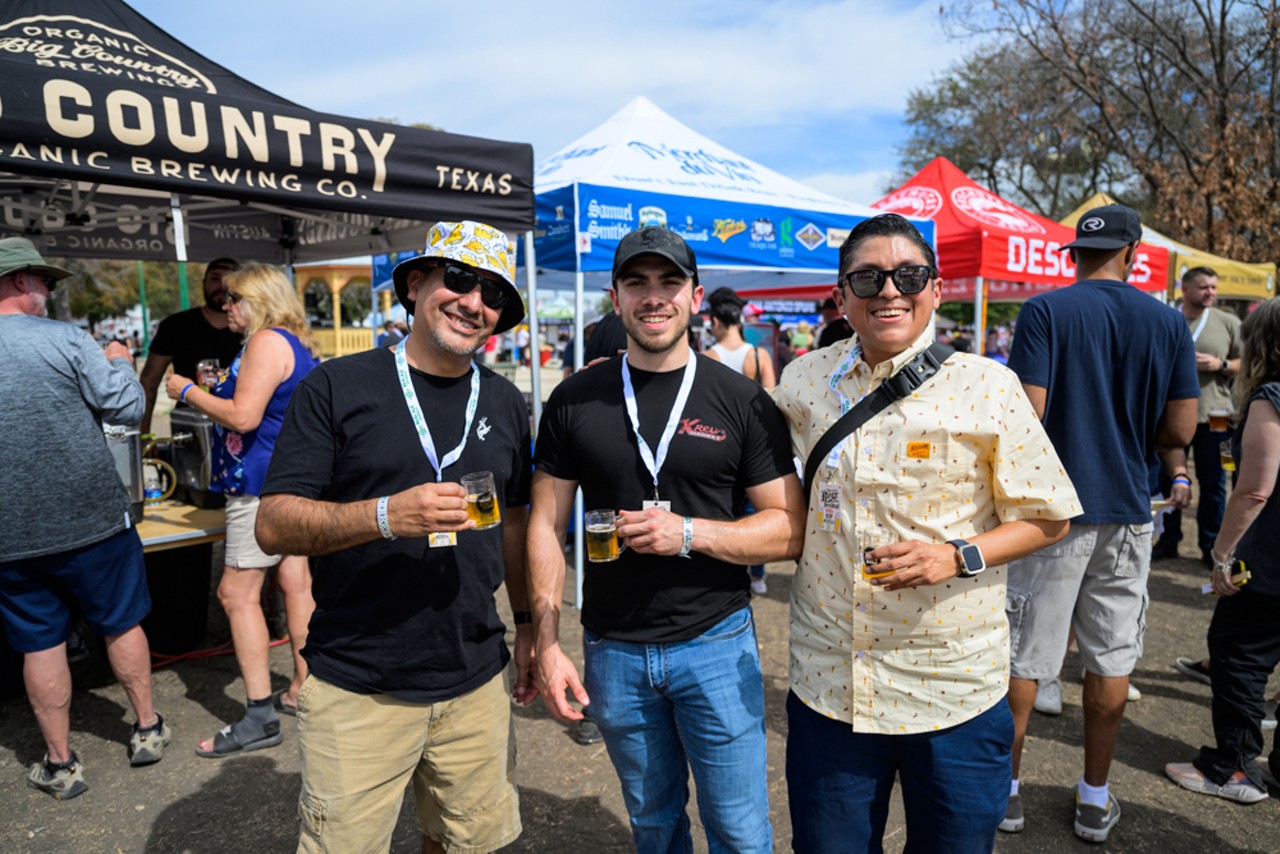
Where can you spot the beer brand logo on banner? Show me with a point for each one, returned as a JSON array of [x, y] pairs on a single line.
[[652, 215], [922, 202], [990, 209], [811, 236], [79, 44], [761, 231], [726, 228]]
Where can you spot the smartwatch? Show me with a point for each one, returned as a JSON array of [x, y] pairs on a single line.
[[968, 557]]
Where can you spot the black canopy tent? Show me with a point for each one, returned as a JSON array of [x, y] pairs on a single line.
[[111, 130]]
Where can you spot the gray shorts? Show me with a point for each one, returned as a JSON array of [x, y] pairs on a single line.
[[1094, 579], [242, 546]]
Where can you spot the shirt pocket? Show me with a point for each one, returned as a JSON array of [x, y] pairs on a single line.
[[935, 469]]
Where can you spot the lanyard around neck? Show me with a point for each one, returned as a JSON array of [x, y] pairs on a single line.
[[420, 422], [652, 463], [1195, 333]]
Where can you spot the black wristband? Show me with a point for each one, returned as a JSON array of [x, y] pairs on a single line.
[[521, 618]]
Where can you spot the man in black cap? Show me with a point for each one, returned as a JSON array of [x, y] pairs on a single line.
[[65, 532], [406, 650], [1111, 372], [834, 325], [185, 338], [670, 442]]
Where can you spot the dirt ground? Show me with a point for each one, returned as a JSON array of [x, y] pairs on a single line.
[[570, 799]]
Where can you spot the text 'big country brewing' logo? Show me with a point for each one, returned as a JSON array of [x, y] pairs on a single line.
[[990, 209], [67, 42], [921, 202]]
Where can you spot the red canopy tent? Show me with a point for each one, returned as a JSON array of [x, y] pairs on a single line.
[[990, 246], [989, 249]]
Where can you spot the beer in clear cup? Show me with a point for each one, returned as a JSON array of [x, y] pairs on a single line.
[[602, 536], [1219, 419], [1227, 461], [482, 500]]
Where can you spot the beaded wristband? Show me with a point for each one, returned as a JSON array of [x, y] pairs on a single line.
[[384, 525], [186, 388], [686, 542]]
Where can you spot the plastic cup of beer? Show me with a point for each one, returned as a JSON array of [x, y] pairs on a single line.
[[602, 536], [1225, 459], [1219, 419], [207, 373], [482, 500]]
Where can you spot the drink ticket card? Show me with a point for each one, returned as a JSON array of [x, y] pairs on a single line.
[[829, 507]]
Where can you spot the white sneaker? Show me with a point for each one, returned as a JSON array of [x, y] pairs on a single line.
[[1134, 694], [1049, 697], [758, 586]]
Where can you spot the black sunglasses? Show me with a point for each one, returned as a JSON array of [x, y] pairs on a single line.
[[234, 298], [908, 280], [462, 281]]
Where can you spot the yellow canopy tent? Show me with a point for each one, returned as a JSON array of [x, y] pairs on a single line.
[[1236, 279]]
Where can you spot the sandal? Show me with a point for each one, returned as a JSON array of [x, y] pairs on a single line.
[[227, 742], [277, 700]]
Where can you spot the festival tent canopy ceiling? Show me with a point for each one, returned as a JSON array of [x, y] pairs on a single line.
[[104, 116], [1015, 253], [1236, 279]]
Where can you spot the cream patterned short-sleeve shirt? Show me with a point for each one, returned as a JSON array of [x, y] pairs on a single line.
[[956, 458]]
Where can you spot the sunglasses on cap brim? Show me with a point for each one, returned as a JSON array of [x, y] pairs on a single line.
[[463, 281], [908, 280]]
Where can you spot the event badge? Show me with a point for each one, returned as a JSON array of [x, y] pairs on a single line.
[[829, 506], [443, 539], [661, 505]]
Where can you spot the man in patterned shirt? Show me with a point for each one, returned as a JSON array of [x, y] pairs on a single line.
[[900, 658]]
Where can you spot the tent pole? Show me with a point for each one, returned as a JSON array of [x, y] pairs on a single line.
[[145, 343], [579, 512], [180, 246], [980, 315], [535, 363]]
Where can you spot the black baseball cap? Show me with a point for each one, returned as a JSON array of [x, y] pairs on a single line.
[[1107, 227], [655, 240]]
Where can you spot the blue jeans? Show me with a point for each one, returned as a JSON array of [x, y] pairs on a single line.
[[1204, 449], [665, 708], [955, 783]]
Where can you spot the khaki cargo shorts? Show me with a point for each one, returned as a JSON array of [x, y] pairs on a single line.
[[1095, 579], [360, 750]]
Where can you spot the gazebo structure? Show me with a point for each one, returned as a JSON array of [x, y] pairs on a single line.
[[336, 340]]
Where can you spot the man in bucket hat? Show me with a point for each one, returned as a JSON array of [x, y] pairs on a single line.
[[408, 663], [59, 538]]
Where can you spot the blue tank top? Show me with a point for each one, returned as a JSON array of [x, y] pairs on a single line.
[[240, 459]]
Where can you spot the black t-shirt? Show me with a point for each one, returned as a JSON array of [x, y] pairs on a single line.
[[730, 437], [837, 330], [395, 616], [606, 339], [187, 338]]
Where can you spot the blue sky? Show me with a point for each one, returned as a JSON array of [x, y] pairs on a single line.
[[814, 90]]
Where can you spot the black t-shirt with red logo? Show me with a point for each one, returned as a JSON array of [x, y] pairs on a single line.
[[730, 437]]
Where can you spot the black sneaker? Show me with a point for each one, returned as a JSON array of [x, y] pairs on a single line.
[[1192, 668], [1163, 550], [64, 781], [586, 732]]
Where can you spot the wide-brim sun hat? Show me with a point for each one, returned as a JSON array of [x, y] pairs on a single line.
[[476, 245], [19, 255]]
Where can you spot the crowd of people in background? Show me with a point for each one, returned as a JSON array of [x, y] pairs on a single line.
[[943, 566]]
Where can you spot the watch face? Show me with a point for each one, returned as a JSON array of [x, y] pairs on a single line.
[[972, 557]]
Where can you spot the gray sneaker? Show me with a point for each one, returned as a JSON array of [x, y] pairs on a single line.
[[1049, 697], [1013, 818], [1094, 823], [146, 746], [1237, 789], [64, 782]]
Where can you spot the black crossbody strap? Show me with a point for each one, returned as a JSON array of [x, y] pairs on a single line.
[[912, 375]]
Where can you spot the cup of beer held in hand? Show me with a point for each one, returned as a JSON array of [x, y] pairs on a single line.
[[1219, 419], [482, 500], [1225, 459], [207, 373], [602, 536]]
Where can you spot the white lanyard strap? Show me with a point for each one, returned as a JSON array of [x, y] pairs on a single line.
[[833, 459], [654, 465], [1195, 333], [420, 422]]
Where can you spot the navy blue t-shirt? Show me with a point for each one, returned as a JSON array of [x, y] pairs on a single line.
[[1110, 357]]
